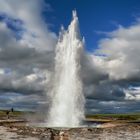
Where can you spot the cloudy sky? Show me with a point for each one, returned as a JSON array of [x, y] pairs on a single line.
[[110, 65]]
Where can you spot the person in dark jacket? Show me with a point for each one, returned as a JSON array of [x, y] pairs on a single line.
[[12, 109], [7, 114]]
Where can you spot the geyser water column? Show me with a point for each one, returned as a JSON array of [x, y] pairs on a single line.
[[67, 106]]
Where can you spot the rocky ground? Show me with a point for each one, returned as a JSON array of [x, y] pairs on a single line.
[[6, 134], [18, 130]]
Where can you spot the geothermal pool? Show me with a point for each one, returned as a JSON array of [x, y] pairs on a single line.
[[91, 124]]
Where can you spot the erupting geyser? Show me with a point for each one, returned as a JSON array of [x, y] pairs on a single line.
[[67, 106]]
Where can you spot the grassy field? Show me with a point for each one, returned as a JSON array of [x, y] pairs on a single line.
[[15, 114], [130, 116], [3, 113]]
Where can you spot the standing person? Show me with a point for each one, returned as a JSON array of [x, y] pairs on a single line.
[[12, 109], [7, 114]]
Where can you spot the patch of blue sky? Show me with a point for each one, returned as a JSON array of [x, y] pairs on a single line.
[[134, 87], [7, 71], [15, 25], [10, 95], [134, 84]]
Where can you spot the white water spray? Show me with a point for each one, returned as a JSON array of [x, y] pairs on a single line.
[[67, 107]]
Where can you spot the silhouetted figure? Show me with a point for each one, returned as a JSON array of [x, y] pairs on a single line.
[[12, 109], [7, 114]]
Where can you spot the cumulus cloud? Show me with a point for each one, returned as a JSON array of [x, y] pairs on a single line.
[[26, 51], [29, 12], [122, 50], [133, 94], [118, 58]]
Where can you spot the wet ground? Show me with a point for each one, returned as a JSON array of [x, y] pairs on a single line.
[[18, 130]]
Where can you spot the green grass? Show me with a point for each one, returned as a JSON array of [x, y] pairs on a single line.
[[15, 113], [129, 116], [134, 116]]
